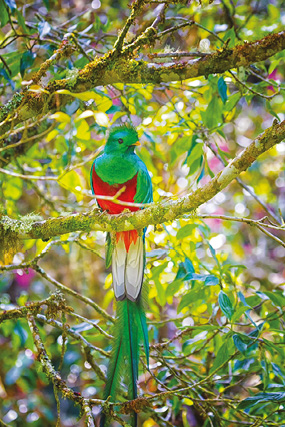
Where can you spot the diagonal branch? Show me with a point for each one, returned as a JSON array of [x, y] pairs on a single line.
[[157, 213], [136, 8]]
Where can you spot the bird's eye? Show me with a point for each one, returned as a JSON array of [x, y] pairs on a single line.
[[120, 141]]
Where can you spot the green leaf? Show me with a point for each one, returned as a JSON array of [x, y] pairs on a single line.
[[230, 37], [239, 343], [173, 287], [213, 252], [224, 352], [161, 296], [156, 253], [212, 117], [184, 268], [270, 110], [193, 295], [47, 4], [194, 155], [212, 280], [225, 305], [12, 59], [232, 101], [180, 146], [195, 165], [27, 61], [3, 73], [155, 271], [276, 297], [243, 300], [278, 371], [4, 17], [238, 313], [21, 21], [185, 231], [260, 398], [209, 279], [21, 332], [222, 88]]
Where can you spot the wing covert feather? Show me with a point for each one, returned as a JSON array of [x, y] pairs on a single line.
[[144, 185]]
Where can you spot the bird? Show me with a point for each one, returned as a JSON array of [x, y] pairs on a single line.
[[119, 171]]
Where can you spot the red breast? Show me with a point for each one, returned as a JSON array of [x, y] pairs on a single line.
[[102, 188]]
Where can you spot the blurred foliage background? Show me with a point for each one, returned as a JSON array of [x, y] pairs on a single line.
[[216, 284]]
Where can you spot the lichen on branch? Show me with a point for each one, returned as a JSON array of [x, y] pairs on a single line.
[[125, 68], [157, 213]]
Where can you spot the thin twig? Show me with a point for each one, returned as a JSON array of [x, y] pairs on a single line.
[[29, 177], [136, 8], [75, 294], [100, 330], [177, 54], [177, 27], [256, 222], [51, 373], [251, 90]]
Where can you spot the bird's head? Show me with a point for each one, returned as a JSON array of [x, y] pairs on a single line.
[[122, 139]]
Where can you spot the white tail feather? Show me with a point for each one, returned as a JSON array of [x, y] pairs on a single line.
[[119, 258], [134, 269], [128, 269]]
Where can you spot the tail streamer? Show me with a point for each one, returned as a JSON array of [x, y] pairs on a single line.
[[130, 332]]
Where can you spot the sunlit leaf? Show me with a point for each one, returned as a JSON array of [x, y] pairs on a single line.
[[37, 89], [185, 231], [60, 117], [102, 119], [83, 96], [212, 117]]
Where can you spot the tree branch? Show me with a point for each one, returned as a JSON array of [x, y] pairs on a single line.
[[55, 302], [112, 68], [63, 288], [136, 8], [157, 213], [54, 376]]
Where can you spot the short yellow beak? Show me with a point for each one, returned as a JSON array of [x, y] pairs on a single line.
[[137, 143]]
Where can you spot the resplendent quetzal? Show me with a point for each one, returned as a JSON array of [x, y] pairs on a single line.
[[117, 167]]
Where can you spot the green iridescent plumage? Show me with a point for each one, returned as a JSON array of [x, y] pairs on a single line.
[[118, 167], [129, 332], [124, 127]]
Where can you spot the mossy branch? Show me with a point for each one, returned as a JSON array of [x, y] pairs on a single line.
[[123, 68], [54, 303], [157, 213], [54, 376]]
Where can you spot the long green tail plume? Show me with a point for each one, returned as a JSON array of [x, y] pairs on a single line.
[[130, 330]]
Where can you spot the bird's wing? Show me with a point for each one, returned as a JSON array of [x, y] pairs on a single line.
[[144, 185], [135, 254]]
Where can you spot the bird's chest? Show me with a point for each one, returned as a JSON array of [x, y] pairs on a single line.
[[116, 183], [115, 170]]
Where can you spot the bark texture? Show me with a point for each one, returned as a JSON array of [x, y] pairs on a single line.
[[157, 213]]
